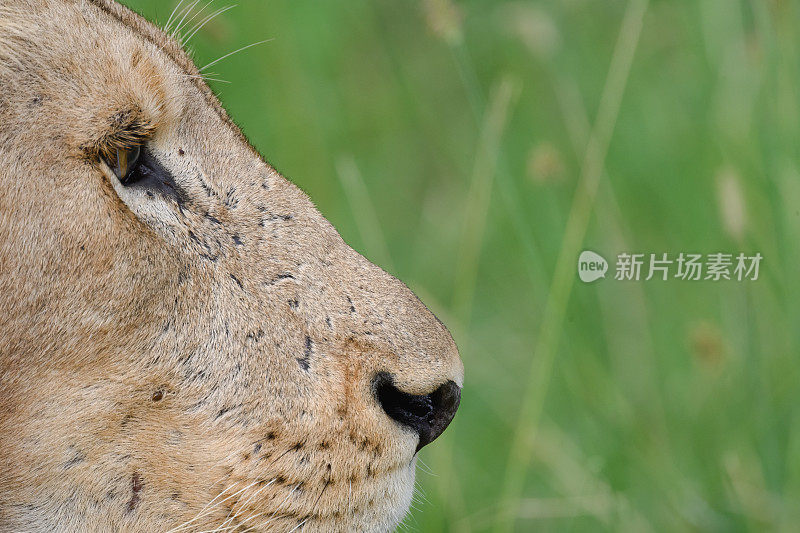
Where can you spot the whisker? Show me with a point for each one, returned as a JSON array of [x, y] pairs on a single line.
[[246, 520], [234, 494], [298, 525], [205, 77], [199, 11], [234, 52], [199, 514], [232, 516], [243, 522], [425, 468], [169, 20], [220, 529], [419, 491], [185, 12], [218, 80], [210, 506], [199, 26], [327, 484], [206, 510]]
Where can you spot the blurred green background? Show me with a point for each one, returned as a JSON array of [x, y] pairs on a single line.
[[474, 148]]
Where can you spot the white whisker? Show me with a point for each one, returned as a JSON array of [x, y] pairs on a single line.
[[185, 12], [243, 522], [218, 80], [425, 468], [298, 525], [418, 491], [232, 516], [207, 510], [169, 20], [199, 11], [205, 78], [234, 52], [200, 25]]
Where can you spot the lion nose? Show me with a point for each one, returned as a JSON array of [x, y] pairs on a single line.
[[427, 414]]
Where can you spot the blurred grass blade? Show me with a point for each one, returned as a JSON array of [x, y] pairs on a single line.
[[476, 209], [509, 192], [563, 280], [363, 209]]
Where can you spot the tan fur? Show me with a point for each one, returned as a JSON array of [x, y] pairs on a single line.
[[152, 356]]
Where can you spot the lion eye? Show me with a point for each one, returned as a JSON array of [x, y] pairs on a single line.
[[125, 164]]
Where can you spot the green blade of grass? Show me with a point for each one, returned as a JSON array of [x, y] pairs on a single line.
[[561, 287], [364, 213]]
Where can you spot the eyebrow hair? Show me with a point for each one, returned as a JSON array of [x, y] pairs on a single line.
[[142, 27], [127, 129]]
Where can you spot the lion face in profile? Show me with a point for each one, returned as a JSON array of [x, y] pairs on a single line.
[[186, 344]]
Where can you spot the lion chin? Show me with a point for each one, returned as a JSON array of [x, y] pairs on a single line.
[[186, 344]]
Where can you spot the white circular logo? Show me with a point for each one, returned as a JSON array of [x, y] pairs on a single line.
[[591, 266]]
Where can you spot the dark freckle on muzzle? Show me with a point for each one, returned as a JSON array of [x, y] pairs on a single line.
[[136, 488], [305, 361], [237, 280], [427, 414]]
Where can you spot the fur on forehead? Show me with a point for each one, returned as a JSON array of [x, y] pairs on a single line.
[[112, 99]]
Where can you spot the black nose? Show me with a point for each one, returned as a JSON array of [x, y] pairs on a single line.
[[427, 414]]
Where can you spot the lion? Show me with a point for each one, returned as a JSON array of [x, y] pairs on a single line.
[[186, 344]]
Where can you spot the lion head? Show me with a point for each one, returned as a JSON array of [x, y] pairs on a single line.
[[186, 344]]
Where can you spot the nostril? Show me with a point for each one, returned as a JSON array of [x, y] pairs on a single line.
[[427, 414]]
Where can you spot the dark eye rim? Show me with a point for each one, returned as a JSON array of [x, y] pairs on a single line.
[[143, 170]]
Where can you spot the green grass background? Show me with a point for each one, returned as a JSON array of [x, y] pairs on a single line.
[[473, 148]]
